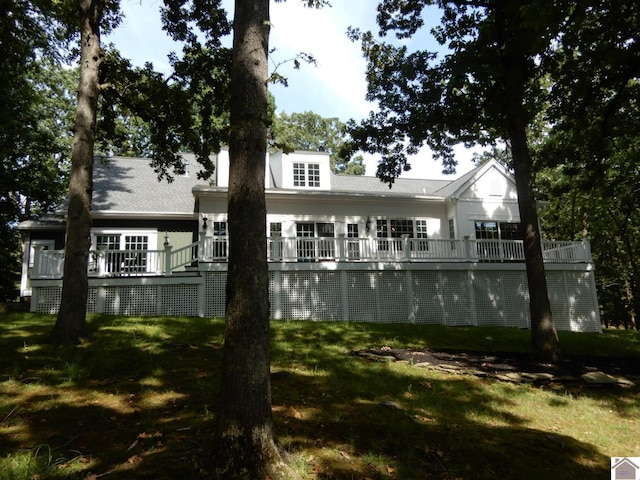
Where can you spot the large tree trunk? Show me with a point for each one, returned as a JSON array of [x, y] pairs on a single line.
[[71, 327], [245, 443], [544, 337]]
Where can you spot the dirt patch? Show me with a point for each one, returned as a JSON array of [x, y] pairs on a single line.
[[505, 364]]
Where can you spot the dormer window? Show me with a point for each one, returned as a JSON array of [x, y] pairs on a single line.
[[306, 175]]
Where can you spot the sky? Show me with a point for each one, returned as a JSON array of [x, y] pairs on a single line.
[[334, 87]]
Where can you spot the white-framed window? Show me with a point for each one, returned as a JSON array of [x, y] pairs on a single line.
[[306, 175], [126, 251], [397, 228]]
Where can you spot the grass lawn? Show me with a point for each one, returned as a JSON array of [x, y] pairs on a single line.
[[139, 401]]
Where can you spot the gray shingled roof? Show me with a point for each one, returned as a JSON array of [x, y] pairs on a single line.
[[402, 186], [124, 184]]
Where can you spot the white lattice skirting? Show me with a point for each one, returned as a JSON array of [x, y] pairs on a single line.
[[459, 296]]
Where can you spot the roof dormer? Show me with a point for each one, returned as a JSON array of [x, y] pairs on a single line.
[[301, 170]]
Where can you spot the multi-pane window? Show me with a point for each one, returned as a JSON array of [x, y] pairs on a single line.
[[275, 240], [401, 227], [421, 234], [452, 229], [305, 248], [219, 241], [275, 229], [299, 175], [134, 261], [353, 246], [125, 252], [313, 174], [306, 175], [490, 234]]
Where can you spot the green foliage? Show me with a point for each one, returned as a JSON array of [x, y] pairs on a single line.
[[34, 126], [310, 131], [441, 100], [590, 157], [160, 116]]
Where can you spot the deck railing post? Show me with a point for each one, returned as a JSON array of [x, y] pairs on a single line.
[[37, 258], [467, 247], [406, 247], [586, 245], [341, 247], [100, 262], [167, 259]]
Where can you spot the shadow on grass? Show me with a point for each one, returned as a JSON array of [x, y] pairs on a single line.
[[139, 402]]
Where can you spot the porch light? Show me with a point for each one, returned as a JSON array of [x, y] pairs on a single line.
[[166, 239], [367, 225], [204, 223]]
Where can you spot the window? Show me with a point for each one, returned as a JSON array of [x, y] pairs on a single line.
[[219, 242], [401, 227], [125, 251], [353, 246], [305, 248], [322, 248], [452, 229], [134, 261], [299, 175], [421, 243], [491, 234], [326, 248], [314, 174], [306, 175], [275, 240]]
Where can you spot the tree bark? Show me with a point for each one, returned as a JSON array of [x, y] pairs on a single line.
[[71, 326], [245, 443], [544, 337]]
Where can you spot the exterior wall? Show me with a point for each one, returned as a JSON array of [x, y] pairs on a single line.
[[439, 294], [491, 197], [295, 207]]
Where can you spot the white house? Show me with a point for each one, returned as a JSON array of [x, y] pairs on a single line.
[[340, 247]]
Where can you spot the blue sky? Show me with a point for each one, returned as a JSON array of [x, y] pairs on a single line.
[[335, 87]]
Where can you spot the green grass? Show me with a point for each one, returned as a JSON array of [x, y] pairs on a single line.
[[139, 401]]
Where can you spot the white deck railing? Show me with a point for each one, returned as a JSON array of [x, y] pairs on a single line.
[[107, 263]]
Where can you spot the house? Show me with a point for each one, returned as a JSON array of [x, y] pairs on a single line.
[[340, 247]]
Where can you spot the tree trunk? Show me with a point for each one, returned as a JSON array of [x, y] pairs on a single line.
[[245, 443], [544, 337], [71, 326]]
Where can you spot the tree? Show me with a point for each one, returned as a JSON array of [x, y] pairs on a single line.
[[245, 443], [310, 131], [31, 159], [70, 326], [589, 161], [486, 89]]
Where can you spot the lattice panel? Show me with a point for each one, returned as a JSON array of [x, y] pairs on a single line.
[[48, 299], [559, 298], [454, 290], [179, 300], [139, 300], [516, 295], [91, 300], [428, 300], [215, 297], [310, 295], [361, 288], [392, 297], [582, 307], [501, 298]]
